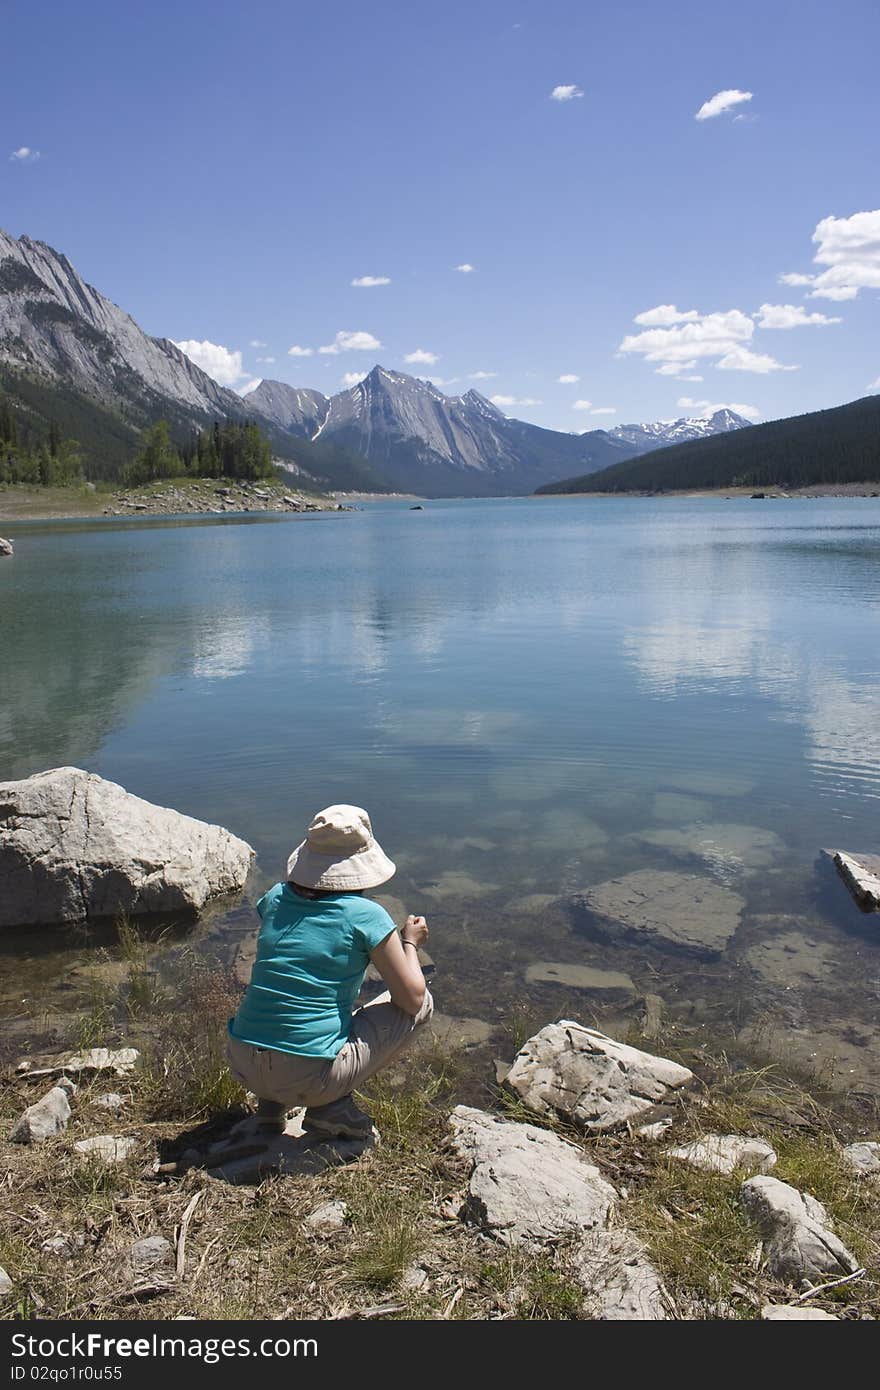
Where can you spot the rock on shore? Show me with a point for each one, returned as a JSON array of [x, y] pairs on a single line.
[[596, 1083], [74, 846]]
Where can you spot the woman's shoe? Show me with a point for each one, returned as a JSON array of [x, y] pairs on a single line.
[[342, 1119]]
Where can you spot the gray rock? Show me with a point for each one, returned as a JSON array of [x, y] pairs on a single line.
[[655, 1131], [6, 1285], [620, 1283], [60, 1246], [414, 1279], [6, 547], [150, 1253], [120, 1061], [724, 1153], [327, 1219], [529, 1188], [864, 1158], [861, 874], [48, 1116], [798, 1243], [74, 846], [109, 1149], [597, 1083], [111, 1101], [794, 1312], [677, 911]]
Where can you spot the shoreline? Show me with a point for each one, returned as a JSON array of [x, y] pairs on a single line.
[[728, 494], [173, 498]]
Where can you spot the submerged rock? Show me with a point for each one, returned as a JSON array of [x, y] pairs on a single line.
[[578, 976], [74, 846], [684, 912], [724, 1153], [590, 1079], [47, 1117], [727, 849], [798, 1241], [789, 956]]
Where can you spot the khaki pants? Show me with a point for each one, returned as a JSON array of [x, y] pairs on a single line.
[[379, 1032]]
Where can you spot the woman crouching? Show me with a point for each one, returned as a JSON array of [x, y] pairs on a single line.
[[297, 1038]]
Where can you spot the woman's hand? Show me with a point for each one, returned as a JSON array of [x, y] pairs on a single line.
[[415, 931]]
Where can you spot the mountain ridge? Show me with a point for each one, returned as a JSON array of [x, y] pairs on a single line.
[[840, 445]]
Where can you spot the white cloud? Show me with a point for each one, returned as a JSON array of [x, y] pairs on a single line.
[[297, 351], [481, 376], [219, 362], [566, 92], [664, 315], [875, 385], [352, 378], [582, 405], [249, 386], [567, 379], [694, 336], [442, 380], [258, 343], [837, 292], [266, 359], [604, 410], [849, 248], [721, 102], [346, 341], [706, 408], [742, 359], [368, 282], [513, 400], [422, 355], [708, 335], [466, 268], [789, 316], [680, 370], [25, 155]]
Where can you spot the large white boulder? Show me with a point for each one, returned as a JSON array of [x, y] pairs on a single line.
[[595, 1082], [74, 846], [529, 1188], [798, 1241]]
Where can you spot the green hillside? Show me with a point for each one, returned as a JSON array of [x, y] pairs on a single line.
[[107, 442], [828, 446]]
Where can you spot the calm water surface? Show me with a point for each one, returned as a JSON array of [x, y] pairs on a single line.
[[530, 697]]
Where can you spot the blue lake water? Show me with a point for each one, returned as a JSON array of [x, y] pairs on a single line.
[[531, 697]]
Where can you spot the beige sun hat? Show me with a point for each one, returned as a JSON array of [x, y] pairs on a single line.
[[340, 852]]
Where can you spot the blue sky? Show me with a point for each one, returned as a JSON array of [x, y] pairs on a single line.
[[225, 171]]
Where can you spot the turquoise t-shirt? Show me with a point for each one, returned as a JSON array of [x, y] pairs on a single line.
[[311, 957]]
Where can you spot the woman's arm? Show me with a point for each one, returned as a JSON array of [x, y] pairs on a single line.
[[397, 961]]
